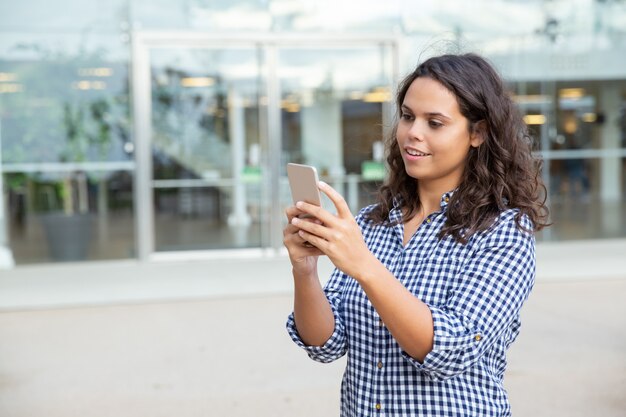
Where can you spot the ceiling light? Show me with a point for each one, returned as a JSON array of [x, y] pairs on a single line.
[[7, 76], [531, 99], [196, 82], [535, 119], [11, 88], [95, 72], [589, 117], [89, 85], [378, 95], [571, 93]]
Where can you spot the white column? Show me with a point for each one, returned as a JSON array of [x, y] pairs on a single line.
[[610, 168], [321, 133], [352, 197], [322, 143], [236, 119], [6, 256]]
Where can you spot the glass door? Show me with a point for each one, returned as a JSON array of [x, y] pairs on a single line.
[[335, 113], [206, 149], [217, 120]]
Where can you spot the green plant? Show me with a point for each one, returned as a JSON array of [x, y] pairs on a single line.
[[76, 142]]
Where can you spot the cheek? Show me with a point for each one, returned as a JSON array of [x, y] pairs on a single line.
[[453, 149], [401, 132]]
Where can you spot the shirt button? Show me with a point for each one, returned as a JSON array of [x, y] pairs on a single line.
[[447, 199], [429, 220], [380, 365], [378, 406], [478, 338]]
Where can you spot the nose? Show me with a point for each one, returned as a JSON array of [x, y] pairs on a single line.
[[416, 132]]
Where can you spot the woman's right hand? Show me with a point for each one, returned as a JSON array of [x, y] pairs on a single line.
[[302, 255]]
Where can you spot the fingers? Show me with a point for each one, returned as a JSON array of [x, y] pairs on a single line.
[[299, 248], [317, 242], [340, 203], [301, 207], [293, 211], [294, 234], [315, 212], [296, 245], [315, 227]]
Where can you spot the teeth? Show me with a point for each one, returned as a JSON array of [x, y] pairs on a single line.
[[413, 152]]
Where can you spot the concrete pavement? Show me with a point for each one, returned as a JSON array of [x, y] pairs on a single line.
[[208, 339]]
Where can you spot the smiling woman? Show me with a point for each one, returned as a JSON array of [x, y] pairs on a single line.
[[433, 135], [456, 109], [429, 282]]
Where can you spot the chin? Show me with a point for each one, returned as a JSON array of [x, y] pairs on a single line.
[[413, 174]]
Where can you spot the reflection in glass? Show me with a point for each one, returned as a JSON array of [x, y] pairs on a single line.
[[584, 202], [67, 154], [333, 116], [64, 102], [206, 149], [99, 224]]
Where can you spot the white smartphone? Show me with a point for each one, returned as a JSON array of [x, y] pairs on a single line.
[[303, 182]]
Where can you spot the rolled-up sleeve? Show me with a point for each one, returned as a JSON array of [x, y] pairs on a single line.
[[336, 346], [485, 299]]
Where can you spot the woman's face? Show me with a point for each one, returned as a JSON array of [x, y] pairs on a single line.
[[433, 135]]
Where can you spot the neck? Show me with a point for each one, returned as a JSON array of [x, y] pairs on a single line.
[[430, 194]]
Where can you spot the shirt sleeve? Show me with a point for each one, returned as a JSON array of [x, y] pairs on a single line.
[[485, 299], [336, 346]]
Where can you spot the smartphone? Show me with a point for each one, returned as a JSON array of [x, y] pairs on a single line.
[[303, 181]]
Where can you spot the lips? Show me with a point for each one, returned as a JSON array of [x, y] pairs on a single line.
[[416, 152]]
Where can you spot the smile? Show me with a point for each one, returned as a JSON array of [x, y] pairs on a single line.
[[414, 152]]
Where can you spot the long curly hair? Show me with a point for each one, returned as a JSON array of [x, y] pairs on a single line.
[[499, 174]]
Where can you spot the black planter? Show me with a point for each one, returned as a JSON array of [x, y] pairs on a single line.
[[68, 236]]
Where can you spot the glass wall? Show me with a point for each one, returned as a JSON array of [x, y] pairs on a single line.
[[580, 130], [65, 132], [335, 118], [225, 119], [206, 149]]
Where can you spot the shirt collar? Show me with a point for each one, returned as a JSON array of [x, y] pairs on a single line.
[[445, 199], [396, 213]]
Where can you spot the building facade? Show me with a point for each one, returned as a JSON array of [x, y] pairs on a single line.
[[161, 130]]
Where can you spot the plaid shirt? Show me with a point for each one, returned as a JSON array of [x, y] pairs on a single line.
[[474, 291]]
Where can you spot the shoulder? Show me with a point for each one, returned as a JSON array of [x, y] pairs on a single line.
[[510, 228], [514, 219], [362, 217], [365, 221], [366, 210]]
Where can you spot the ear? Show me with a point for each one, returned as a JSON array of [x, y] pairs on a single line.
[[479, 134]]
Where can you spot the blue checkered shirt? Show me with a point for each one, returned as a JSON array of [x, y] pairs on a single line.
[[474, 291]]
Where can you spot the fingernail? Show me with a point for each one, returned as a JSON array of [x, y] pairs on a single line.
[[299, 204], [295, 220]]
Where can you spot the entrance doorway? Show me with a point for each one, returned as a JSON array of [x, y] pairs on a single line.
[[217, 119]]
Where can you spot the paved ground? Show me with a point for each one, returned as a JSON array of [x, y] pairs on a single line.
[[230, 356]]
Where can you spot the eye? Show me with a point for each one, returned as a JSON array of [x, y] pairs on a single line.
[[435, 124], [407, 116]]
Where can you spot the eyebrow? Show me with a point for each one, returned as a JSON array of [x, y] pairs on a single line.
[[429, 114]]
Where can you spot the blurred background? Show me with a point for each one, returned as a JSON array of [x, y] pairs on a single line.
[[136, 129], [143, 145]]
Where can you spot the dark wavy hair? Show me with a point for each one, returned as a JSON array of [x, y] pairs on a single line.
[[499, 174]]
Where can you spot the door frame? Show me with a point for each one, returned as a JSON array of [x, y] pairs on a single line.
[[266, 43]]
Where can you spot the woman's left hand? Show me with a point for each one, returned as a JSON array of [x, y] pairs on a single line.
[[338, 237]]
